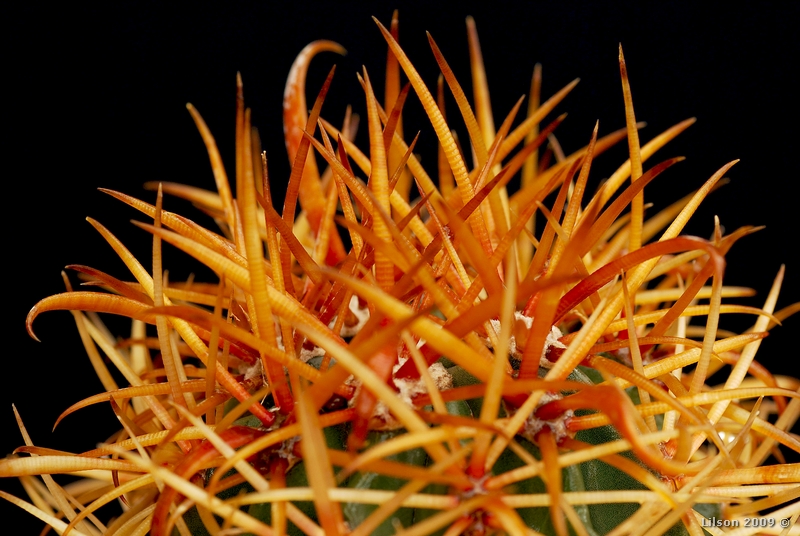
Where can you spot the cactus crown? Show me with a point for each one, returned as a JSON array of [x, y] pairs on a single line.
[[405, 354]]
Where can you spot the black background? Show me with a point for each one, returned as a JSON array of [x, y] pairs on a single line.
[[98, 96]]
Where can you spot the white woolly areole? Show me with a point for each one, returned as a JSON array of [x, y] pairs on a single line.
[[526, 319], [286, 450], [550, 341], [361, 314], [306, 354], [254, 371], [382, 418], [411, 388], [533, 425]]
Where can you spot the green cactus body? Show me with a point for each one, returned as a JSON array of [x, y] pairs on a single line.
[[594, 475], [355, 513]]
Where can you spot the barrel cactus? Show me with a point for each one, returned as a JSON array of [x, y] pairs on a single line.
[[419, 356]]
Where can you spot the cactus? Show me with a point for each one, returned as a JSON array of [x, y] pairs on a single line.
[[417, 356]]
